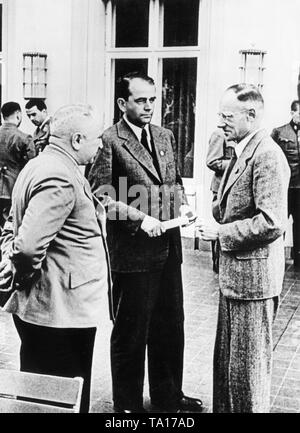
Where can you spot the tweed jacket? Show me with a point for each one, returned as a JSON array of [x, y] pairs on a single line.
[[16, 148], [125, 171], [289, 141], [252, 210], [58, 247]]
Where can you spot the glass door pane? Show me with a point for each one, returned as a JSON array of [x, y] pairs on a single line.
[[181, 23], [123, 67], [132, 26], [178, 107]]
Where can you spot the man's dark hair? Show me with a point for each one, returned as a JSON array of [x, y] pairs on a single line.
[[247, 92], [294, 105], [122, 87], [9, 108], [38, 103]]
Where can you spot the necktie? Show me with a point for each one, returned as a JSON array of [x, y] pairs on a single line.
[[144, 140], [231, 165]]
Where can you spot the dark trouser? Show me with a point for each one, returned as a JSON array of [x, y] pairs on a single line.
[[294, 210], [148, 310], [243, 355], [64, 352]]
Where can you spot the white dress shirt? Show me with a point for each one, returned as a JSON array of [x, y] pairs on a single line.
[[239, 147], [138, 131]]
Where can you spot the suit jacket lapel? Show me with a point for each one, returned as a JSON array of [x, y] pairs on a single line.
[[240, 165], [160, 149], [134, 147]]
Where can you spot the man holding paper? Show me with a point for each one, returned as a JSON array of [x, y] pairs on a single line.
[[251, 216], [147, 301]]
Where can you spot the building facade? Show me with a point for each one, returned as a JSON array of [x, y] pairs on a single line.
[[193, 49]]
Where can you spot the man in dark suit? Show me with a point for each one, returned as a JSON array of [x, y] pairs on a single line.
[[16, 148], [288, 138], [250, 214], [56, 252], [138, 160]]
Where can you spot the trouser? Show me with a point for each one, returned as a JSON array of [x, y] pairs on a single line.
[[148, 308], [64, 352], [294, 210], [243, 355]]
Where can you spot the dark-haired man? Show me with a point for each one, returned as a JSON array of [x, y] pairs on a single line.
[[138, 158], [251, 214], [36, 110], [16, 148], [288, 138]]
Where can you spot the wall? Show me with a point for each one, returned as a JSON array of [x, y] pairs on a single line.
[[66, 31]]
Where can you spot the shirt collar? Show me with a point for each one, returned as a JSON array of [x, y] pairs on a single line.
[[239, 147], [136, 129]]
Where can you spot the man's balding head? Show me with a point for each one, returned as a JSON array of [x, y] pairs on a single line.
[[241, 111], [77, 128]]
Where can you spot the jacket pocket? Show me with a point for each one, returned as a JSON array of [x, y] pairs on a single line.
[[258, 253]]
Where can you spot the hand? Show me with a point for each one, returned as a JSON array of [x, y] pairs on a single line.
[[186, 210], [152, 226], [209, 230], [6, 273]]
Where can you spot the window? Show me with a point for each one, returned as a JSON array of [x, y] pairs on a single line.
[[159, 37]]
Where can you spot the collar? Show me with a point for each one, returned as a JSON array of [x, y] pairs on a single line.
[[239, 147], [137, 130], [65, 152], [9, 124]]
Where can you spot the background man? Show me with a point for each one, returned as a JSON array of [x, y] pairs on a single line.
[[36, 110], [251, 216], [146, 263], [58, 253], [218, 156], [16, 148], [288, 138]]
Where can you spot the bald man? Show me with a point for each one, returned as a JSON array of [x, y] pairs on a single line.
[[57, 252]]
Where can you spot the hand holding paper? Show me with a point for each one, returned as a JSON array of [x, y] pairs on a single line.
[[152, 226], [209, 230]]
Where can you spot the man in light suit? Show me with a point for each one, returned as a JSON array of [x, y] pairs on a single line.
[[251, 213], [137, 159], [56, 252]]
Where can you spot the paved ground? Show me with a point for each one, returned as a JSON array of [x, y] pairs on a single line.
[[201, 298]]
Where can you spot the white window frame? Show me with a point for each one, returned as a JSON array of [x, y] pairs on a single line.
[[195, 187]]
